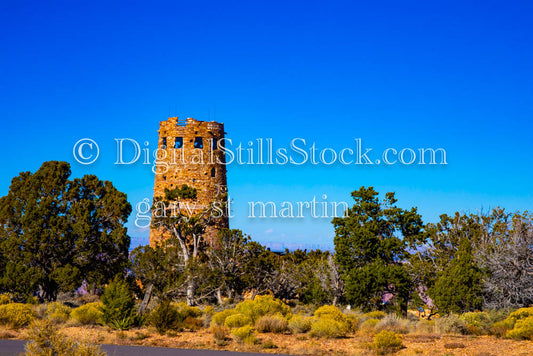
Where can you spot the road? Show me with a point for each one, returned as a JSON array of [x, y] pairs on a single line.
[[16, 347]]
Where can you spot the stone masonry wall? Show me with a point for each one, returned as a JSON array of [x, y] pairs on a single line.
[[190, 157]]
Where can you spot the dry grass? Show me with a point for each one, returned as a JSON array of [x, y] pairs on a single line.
[[298, 344]]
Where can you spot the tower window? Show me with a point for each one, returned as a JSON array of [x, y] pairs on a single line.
[[198, 142], [213, 172], [164, 144], [178, 142], [215, 143]]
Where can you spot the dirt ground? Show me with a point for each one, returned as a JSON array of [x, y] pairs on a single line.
[[415, 344]]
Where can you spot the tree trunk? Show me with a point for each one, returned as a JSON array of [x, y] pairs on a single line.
[[190, 293], [219, 296], [146, 299]]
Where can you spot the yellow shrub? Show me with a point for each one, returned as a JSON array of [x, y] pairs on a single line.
[[387, 342], [5, 299], [477, 323], [45, 339], [220, 317], [188, 311], [237, 321], [208, 310], [263, 305], [300, 323], [521, 313], [506, 326], [523, 329], [330, 311], [245, 334], [89, 313], [354, 322], [57, 312], [16, 315], [327, 327]]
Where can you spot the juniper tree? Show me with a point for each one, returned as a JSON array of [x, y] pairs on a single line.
[[57, 232], [372, 243]]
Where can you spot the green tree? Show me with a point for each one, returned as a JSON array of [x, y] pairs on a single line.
[[97, 214], [260, 266], [432, 263], [118, 304], [57, 232], [372, 243], [458, 288], [160, 269]]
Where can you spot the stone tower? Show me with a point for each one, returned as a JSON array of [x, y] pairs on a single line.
[[192, 157]]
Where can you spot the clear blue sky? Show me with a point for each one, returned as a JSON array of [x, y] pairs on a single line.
[[450, 74]]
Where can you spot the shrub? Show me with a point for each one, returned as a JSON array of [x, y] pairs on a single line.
[[521, 313], [454, 345], [220, 317], [354, 322], [369, 325], [271, 324], [208, 310], [165, 317], [393, 323], [329, 311], [57, 312], [327, 327], [523, 329], [269, 344], [237, 321], [220, 334], [377, 314], [245, 334], [124, 323], [40, 311], [192, 324], [5, 299], [502, 327], [188, 311], [118, 305], [330, 322], [424, 326], [450, 324], [477, 323], [46, 340], [300, 323], [496, 315], [263, 305], [16, 315], [88, 314], [387, 342]]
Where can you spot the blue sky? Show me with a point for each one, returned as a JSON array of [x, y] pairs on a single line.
[[451, 74]]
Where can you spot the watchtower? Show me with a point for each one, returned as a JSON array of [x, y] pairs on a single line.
[[189, 153]]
